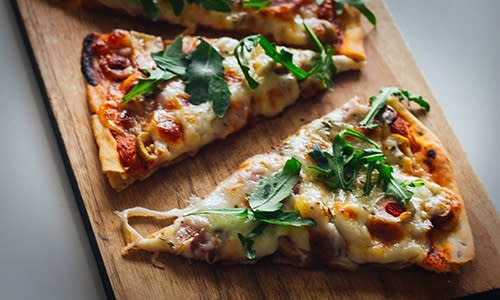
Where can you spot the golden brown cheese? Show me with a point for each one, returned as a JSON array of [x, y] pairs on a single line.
[[140, 136], [281, 20], [431, 231]]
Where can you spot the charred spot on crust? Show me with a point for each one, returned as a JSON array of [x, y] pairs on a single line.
[[87, 59], [431, 154], [429, 163]]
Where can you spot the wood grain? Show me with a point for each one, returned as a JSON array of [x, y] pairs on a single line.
[[55, 34]]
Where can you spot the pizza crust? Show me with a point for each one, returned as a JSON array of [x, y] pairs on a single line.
[[456, 246]]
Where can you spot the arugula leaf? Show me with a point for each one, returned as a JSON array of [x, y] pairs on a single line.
[[406, 95], [415, 183], [170, 63], [146, 85], [172, 59], [359, 135], [245, 46], [177, 6], [391, 186], [359, 5], [215, 5], [270, 192], [324, 67], [267, 209], [248, 240], [378, 102], [219, 94], [257, 4], [284, 218], [205, 79], [238, 212], [282, 57], [149, 7], [340, 169]]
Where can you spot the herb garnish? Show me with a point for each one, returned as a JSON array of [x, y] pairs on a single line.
[[256, 4], [378, 102], [171, 63], [202, 71], [205, 79], [323, 67], [265, 204], [339, 169], [150, 7]]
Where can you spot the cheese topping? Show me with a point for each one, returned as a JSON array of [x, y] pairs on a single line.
[[166, 125], [351, 228]]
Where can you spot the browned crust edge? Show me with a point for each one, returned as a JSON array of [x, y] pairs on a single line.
[[458, 244]]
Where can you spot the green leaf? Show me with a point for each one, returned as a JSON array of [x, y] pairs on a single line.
[[256, 4], [170, 63], [146, 85], [172, 59], [248, 240], [359, 5], [406, 95], [415, 183], [324, 67], [149, 7], [219, 94], [177, 6], [282, 57], [340, 169], [390, 186], [378, 102], [376, 106], [367, 189], [205, 79], [270, 192], [244, 47], [284, 218], [215, 5], [320, 2], [359, 135], [238, 212]]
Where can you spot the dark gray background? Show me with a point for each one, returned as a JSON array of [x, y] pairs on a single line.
[[44, 250]]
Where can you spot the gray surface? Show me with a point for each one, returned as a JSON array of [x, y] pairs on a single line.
[[44, 250]]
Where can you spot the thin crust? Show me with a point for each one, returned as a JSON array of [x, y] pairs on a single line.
[[455, 246], [432, 232], [111, 65]]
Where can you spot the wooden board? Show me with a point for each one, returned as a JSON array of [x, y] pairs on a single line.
[[55, 35]]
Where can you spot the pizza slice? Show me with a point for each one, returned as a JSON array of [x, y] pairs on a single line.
[[335, 23], [154, 102], [361, 185]]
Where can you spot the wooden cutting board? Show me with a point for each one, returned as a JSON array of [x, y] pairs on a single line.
[[54, 36]]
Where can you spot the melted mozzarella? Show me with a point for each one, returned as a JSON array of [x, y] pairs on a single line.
[[352, 228]]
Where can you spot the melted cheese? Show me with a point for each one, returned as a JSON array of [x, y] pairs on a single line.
[[288, 30], [351, 228]]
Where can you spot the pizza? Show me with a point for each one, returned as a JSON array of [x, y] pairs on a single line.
[[154, 101], [333, 22], [360, 185]]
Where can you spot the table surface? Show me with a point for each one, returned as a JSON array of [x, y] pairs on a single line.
[[48, 255]]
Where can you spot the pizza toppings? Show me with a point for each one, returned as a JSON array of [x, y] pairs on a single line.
[[265, 204], [324, 215], [341, 168], [379, 102]]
